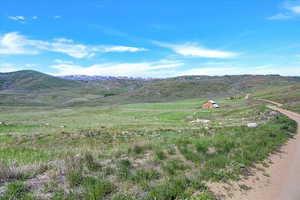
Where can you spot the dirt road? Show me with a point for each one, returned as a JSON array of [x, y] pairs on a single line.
[[284, 180], [281, 181], [272, 102]]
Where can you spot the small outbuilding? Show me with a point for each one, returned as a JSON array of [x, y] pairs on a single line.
[[210, 104], [248, 96]]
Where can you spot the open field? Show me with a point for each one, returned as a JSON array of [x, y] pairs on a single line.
[[134, 151]]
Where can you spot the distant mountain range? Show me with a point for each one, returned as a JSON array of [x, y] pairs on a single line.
[[100, 78], [35, 88]]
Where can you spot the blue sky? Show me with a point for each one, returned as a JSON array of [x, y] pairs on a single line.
[[154, 38]]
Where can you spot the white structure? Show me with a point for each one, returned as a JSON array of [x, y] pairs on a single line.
[[211, 101], [216, 105]]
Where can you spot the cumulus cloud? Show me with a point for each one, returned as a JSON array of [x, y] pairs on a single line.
[[194, 50], [291, 9], [160, 68], [15, 43], [295, 9]]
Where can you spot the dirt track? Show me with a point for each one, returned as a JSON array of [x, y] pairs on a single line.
[[284, 180], [281, 181]]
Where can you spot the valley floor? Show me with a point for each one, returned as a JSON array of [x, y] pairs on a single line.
[[137, 151]]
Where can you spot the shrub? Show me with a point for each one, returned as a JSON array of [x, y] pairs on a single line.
[[74, 170], [122, 196], [188, 153], [143, 176], [202, 146], [138, 149], [124, 167], [16, 190], [172, 166], [75, 178], [176, 188], [91, 163], [160, 155], [203, 196], [12, 171], [97, 188], [171, 150]]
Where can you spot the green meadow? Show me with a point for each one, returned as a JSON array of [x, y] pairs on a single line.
[[134, 151]]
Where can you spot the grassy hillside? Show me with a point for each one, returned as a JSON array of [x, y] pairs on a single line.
[[289, 96], [206, 86], [32, 80], [30, 88]]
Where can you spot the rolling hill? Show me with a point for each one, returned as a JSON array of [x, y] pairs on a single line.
[[35, 88], [33, 80], [207, 86]]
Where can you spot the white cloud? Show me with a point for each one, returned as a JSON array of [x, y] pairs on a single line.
[[59, 61], [15, 43], [57, 17], [143, 69], [7, 67], [279, 16], [291, 9], [119, 49], [17, 18], [35, 17], [235, 70], [167, 68], [194, 50], [295, 9]]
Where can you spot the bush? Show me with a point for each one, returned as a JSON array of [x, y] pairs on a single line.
[[176, 188], [75, 178], [203, 196], [124, 167], [173, 166], [97, 188], [160, 155], [143, 176], [12, 171], [74, 170], [138, 149], [91, 163], [122, 196], [16, 190]]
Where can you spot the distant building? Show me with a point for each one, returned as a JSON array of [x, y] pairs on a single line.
[[210, 104], [248, 96]]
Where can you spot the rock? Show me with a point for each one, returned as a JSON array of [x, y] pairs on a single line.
[[211, 150], [273, 113], [189, 118], [3, 124], [2, 190], [204, 121], [252, 125], [38, 181]]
